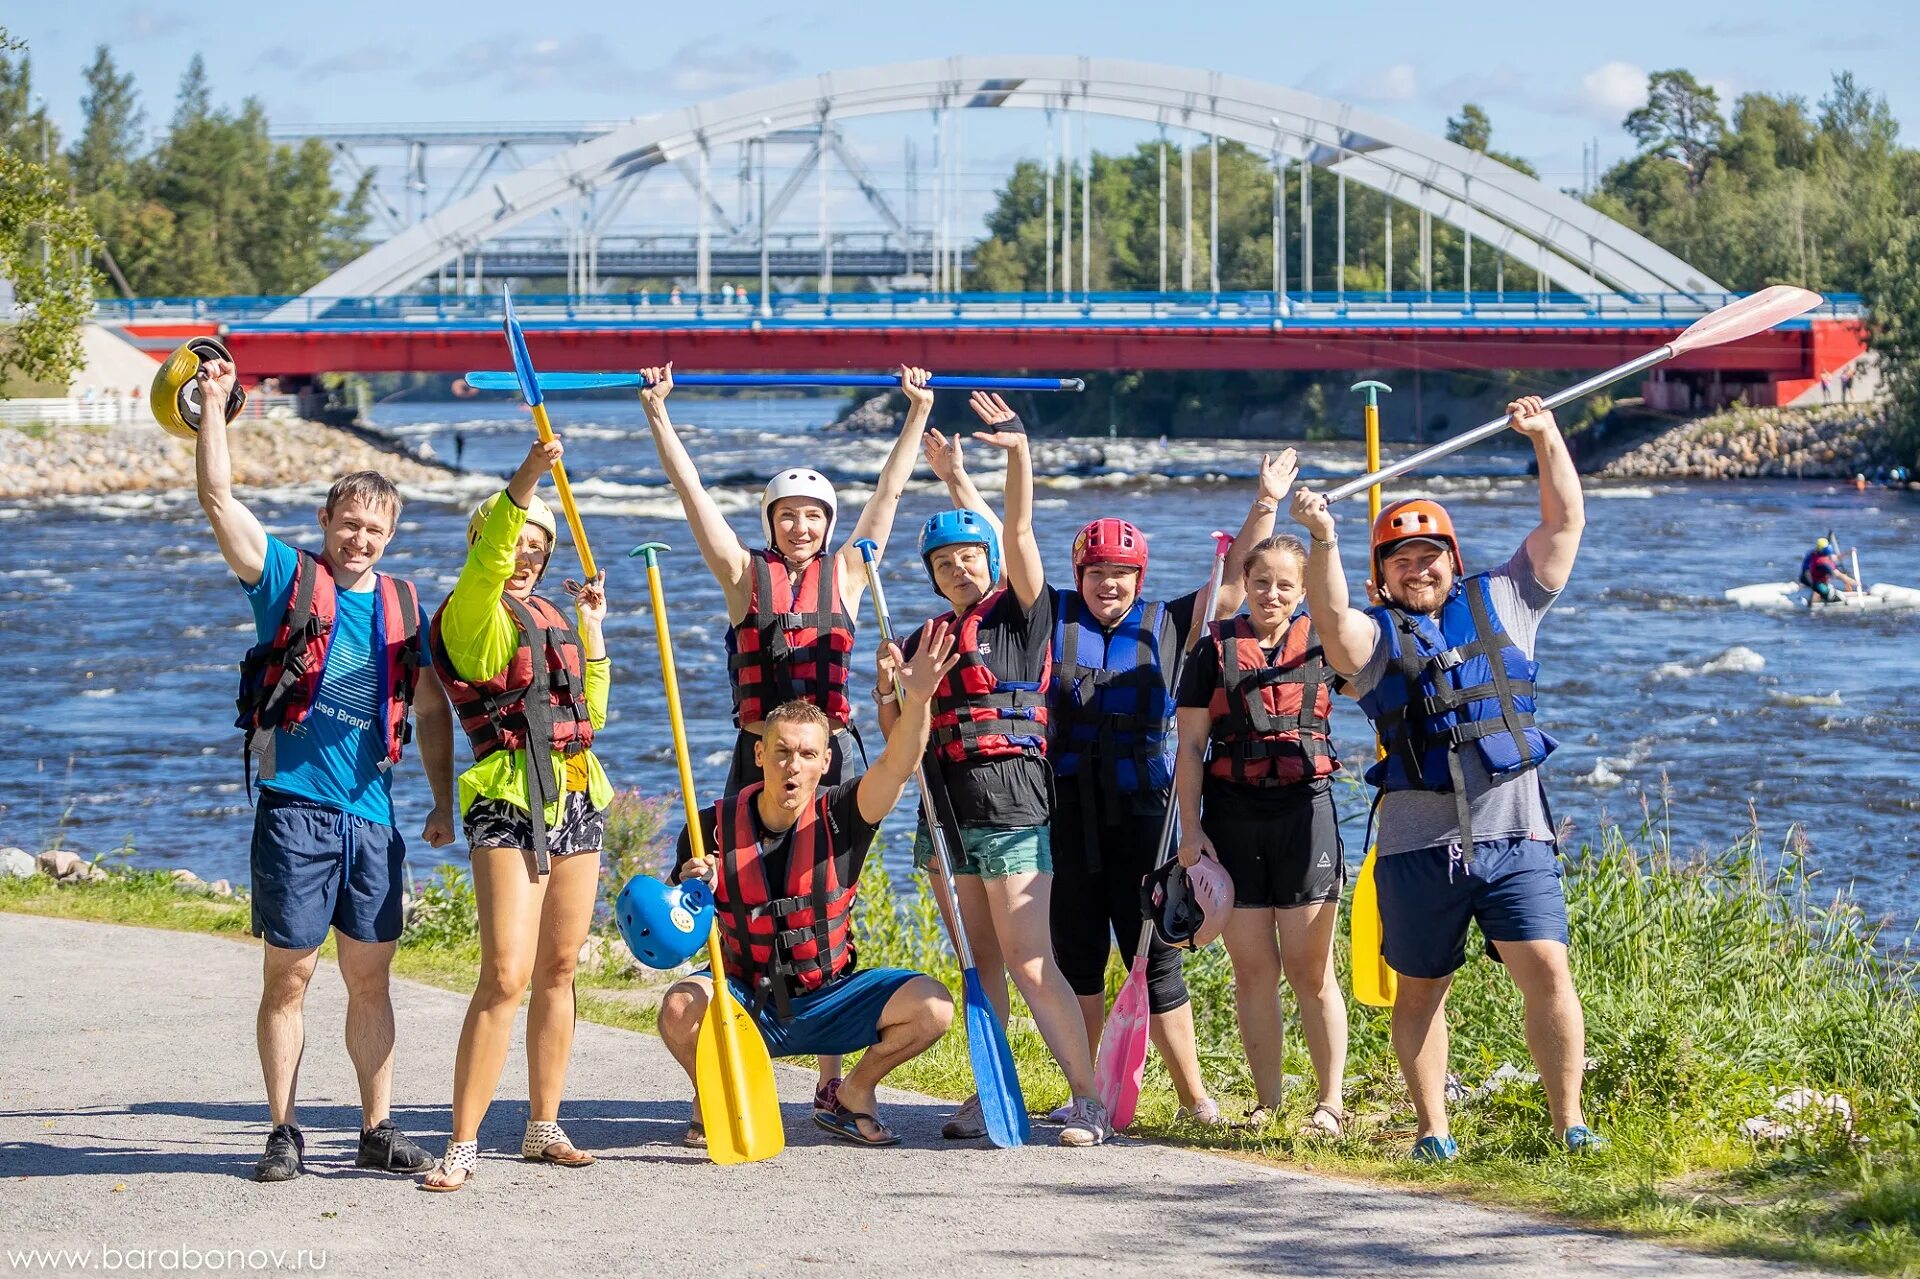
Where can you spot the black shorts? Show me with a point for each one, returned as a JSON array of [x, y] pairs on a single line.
[[495, 823], [1281, 845], [743, 772], [1091, 910]]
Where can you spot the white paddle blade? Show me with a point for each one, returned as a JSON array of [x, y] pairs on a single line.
[[1753, 314]]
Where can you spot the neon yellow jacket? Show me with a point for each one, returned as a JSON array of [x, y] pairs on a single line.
[[481, 638]]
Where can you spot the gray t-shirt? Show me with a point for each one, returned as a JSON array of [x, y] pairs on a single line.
[[1512, 806]]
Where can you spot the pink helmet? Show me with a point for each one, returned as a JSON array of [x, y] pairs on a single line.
[[1189, 907]]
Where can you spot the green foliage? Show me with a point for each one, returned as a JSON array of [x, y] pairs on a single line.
[[1893, 293], [445, 914], [632, 843], [1473, 129]]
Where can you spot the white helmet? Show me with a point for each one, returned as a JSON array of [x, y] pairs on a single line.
[[797, 483]]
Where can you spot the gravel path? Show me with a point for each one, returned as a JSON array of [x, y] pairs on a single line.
[[131, 1116]]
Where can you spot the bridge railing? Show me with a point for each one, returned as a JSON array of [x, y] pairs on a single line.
[[673, 307]]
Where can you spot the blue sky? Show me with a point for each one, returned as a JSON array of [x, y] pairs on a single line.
[[1554, 76]]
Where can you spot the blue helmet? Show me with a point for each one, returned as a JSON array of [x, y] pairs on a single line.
[[664, 924], [961, 528]]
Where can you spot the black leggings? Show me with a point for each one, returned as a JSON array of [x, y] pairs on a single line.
[[1091, 909]]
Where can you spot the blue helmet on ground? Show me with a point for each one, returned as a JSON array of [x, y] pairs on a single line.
[[664, 924], [960, 528]]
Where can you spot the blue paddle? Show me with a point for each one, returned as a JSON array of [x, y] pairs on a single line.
[[504, 381], [994, 1077]]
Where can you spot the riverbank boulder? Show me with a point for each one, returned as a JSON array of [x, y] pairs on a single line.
[[1834, 441]]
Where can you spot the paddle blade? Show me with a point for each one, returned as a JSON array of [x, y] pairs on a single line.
[[734, 1077], [1123, 1049], [994, 1078], [1374, 984], [522, 358], [1753, 314], [497, 380]]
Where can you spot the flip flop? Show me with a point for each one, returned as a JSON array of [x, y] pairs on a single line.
[[696, 1138], [845, 1124]]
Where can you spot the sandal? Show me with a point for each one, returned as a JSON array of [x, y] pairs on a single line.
[[696, 1138], [1326, 1122], [462, 1157], [845, 1124], [1258, 1117], [541, 1140]]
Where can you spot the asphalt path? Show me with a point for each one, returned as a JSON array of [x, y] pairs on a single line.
[[131, 1114]]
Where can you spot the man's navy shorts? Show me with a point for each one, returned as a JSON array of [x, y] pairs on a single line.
[[316, 867], [1510, 887], [843, 1018]]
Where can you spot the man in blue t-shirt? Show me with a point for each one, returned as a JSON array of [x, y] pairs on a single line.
[[325, 853]]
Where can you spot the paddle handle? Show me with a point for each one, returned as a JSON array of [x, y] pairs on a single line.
[[696, 842], [1433, 452], [936, 834], [490, 380], [545, 426]]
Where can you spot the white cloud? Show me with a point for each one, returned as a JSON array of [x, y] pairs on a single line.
[[1612, 89], [509, 65], [1397, 83], [711, 66]]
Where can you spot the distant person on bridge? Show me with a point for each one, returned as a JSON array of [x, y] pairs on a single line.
[[1111, 708], [1820, 568], [791, 605], [987, 771], [328, 691], [789, 840], [1444, 668], [530, 689]]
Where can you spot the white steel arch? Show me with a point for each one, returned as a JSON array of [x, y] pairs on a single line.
[[1579, 248]]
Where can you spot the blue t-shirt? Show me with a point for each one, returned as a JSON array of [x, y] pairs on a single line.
[[333, 756]]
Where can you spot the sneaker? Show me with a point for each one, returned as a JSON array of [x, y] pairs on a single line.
[[385, 1148], [1086, 1123], [827, 1096], [1206, 1111], [285, 1146], [1060, 1114], [967, 1122], [1582, 1140], [1435, 1150]]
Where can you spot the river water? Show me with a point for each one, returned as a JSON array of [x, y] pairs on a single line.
[[119, 630]]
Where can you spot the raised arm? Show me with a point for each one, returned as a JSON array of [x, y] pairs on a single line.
[[1277, 474], [943, 455], [881, 785], [242, 541], [876, 517], [1551, 547], [1346, 633], [729, 562], [1026, 574]]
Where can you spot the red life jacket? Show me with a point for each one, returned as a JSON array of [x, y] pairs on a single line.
[[280, 678], [1270, 718], [528, 700], [978, 715], [787, 946], [796, 641]]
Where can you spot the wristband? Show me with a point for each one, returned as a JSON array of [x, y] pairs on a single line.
[[882, 696], [1262, 504], [1332, 544]]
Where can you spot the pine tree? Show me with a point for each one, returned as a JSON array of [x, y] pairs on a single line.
[[109, 142]]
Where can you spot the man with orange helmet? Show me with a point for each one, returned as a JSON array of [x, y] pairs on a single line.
[[1443, 665], [1111, 738]]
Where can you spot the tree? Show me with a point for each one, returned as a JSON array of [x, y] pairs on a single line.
[[1471, 128], [1893, 296], [45, 244], [1681, 121], [110, 140]]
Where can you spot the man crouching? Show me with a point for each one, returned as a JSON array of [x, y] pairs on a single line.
[[789, 949]]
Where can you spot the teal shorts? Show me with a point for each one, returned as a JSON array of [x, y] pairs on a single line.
[[993, 852]]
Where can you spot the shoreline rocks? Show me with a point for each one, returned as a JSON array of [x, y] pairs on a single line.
[[77, 461], [1834, 441]]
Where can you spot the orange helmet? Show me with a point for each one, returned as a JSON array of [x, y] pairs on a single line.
[[1410, 518]]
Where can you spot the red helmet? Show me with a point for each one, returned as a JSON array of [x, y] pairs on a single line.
[[1110, 542], [1414, 517]]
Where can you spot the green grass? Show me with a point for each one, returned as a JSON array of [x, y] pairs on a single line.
[[1710, 986]]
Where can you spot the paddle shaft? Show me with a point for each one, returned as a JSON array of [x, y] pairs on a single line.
[[565, 490], [696, 842], [489, 380], [935, 832], [1433, 452]]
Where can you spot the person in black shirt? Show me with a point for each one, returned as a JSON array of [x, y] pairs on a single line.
[[784, 859]]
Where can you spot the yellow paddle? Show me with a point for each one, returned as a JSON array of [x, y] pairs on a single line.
[[536, 400], [1374, 984], [733, 1075]]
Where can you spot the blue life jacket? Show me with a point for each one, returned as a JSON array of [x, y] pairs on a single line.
[[1112, 707], [1447, 686]]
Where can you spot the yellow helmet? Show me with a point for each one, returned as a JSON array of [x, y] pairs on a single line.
[[539, 514], [175, 398], [1821, 544]]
